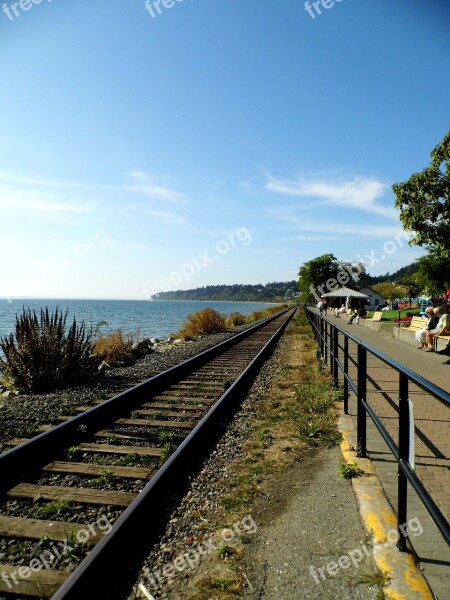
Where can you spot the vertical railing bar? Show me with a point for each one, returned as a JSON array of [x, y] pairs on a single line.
[[336, 357], [345, 375], [403, 448], [332, 332], [362, 396], [321, 335]]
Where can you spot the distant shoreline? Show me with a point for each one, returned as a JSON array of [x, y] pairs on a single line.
[[22, 299]]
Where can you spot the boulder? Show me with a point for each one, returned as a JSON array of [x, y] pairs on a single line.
[[142, 348]]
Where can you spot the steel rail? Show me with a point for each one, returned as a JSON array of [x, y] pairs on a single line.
[[97, 576]]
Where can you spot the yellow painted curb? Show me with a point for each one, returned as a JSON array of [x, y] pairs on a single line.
[[404, 580]]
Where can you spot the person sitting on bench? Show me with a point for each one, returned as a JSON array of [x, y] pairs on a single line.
[[442, 328], [354, 315], [362, 314], [431, 324]]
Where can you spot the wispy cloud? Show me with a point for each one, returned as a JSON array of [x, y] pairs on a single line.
[[324, 227], [313, 237], [145, 186], [167, 216], [141, 184], [355, 192], [58, 207], [142, 215], [33, 200]]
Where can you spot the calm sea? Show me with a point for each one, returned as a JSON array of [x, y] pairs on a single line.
[[150, 319]]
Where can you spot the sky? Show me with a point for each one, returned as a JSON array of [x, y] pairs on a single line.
[[195, 142]]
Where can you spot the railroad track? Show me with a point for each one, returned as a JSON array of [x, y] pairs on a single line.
[[81, 502]]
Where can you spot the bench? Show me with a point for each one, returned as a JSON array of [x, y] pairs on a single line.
[[417, 323], [377, 316]]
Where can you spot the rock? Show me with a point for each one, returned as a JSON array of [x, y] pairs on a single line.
[[7, 394], [104, 366], [142, 348], [178, 341], [155, 341]]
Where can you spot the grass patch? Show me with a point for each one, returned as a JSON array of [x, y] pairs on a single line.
[[236, 319], [379, 580], [115, 347], [55, 508], [225, 551], [350, 470], [101, 480], [203, 322], [392, 315]]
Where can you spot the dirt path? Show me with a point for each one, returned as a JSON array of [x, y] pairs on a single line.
[[317, 524]]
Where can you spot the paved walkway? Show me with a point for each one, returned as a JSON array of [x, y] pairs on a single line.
[[432, 440]]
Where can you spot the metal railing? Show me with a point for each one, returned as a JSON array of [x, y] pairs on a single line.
[[328, 338]]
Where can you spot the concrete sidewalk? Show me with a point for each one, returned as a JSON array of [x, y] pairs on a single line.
[[432, 440]]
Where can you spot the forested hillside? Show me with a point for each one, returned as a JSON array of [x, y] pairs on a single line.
[[270, 292]]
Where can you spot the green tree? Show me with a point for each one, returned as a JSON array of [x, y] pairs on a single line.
[[324, 274], [314, 274], [389, 290], [433, 275], [424, 201], [410, 288]]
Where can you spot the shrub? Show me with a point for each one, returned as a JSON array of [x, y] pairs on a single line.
[[114, 347], [201, 323], [257, 314], [235, 319], [41, 356]]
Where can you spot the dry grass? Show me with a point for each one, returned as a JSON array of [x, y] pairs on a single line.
[[203, 322], [235, 319], [114, 347]]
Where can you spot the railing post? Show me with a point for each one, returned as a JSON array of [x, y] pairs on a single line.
[[403, 451], [326, 341], [345, 375], [335, 356], [321, 336], [362, 395], [332, 332]]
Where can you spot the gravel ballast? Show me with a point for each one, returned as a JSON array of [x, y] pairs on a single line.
[[20, 413]]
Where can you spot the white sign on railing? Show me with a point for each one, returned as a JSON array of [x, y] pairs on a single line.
[[411, 433]]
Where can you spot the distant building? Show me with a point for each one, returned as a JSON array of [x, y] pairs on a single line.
[[344, 295], [374, 297]]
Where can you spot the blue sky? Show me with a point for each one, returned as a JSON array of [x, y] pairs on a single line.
[[221, 141]]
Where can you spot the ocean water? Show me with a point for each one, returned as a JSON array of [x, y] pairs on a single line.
[[147, 318]]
